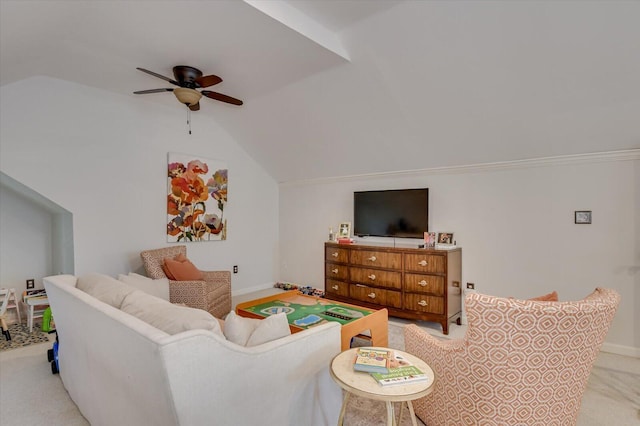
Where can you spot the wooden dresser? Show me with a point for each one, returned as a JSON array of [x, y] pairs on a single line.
[[412, 283]]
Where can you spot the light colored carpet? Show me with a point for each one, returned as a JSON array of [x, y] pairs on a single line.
[[31, 395]]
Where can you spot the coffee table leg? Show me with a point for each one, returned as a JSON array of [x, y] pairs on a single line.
[[412, 414], [344, 407], [391, 419]]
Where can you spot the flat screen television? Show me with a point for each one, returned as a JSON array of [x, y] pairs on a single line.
[[400, 213]]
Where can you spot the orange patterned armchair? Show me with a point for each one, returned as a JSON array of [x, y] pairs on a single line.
[[520, 363], [213, 294]]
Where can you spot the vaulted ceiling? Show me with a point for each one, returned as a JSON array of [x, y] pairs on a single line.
[[335, 88]]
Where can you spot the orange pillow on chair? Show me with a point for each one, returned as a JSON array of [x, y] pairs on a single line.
[[181, 269], [551, 297]]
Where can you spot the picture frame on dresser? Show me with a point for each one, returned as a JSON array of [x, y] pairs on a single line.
[[344, 230], [445, 237]]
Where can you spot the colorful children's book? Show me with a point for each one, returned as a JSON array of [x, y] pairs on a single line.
[[401, 373], [372, 360], [401, 376]]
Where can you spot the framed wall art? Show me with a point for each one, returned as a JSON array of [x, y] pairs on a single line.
[[582, 217], [196, 199]]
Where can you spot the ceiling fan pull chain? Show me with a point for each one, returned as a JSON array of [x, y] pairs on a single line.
[[189, 119]]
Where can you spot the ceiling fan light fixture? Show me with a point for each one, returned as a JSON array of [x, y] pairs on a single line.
[[187, 96]]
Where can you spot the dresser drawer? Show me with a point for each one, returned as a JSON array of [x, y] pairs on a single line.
[[376, 277], [335, 271], [337, 288], [379, 259], [375, 295], [422, 303], [428, 263], [420, 283], [339, 255]]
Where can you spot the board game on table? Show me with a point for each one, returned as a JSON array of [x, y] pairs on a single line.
[[308, 311]]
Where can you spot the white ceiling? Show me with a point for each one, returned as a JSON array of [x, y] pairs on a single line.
[[335, 88]]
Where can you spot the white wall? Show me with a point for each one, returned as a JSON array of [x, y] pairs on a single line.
[[26, 235], [514, 223], [103, 157]]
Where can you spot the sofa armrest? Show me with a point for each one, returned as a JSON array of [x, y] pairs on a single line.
[[212, 296], [431, 349]]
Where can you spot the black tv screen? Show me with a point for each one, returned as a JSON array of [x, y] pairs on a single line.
[[392, 213]]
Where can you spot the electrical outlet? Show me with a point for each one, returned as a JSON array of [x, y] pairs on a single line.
[[471, 286], [235, 269], [31, 284]]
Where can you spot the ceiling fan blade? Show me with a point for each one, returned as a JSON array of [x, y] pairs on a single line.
[[208, 80], [220, 97], [195, 107], [159, 76], [144, 92]]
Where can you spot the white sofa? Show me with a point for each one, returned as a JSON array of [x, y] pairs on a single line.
[[119, 370]]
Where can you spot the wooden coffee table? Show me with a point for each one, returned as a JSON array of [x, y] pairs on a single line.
[[363, 385], [308, 311]]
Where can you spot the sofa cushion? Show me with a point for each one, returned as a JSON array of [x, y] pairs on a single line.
[[181, 269], [170, 318], [253, 332], [104, 288], [158, 288]]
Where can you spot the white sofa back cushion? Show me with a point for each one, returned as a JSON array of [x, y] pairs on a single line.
[[158, 288], [170, 318], [104, 288], [252, 332]]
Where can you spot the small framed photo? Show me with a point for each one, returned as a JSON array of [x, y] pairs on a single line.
[[582, 217], [344, 231], [445, 238], [429, 239]]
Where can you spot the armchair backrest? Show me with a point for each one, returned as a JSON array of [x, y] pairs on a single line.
[[521, 362], [153, 259], [530, 359]]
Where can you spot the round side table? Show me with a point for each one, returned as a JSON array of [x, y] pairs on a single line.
[[363, 385]]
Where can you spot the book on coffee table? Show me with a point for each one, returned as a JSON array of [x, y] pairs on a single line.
[[401, 373], [400, 376], [371, 360]]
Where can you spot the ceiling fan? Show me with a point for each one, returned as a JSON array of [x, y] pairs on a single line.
[[189, 79]]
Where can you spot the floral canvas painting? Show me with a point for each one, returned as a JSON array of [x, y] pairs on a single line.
[[196, 200]]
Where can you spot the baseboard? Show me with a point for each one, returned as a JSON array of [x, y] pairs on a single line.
[[252, 289], [621, 350]]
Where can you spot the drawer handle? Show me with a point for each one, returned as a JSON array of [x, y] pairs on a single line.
[[335, 287], [372, 295], [422, 303], [334, 254], [423, 283], [423, 263], [335, 271], [372, 258], [372, 277]]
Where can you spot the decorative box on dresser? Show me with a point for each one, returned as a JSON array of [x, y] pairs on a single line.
[[422, 284]]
